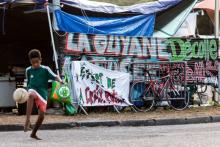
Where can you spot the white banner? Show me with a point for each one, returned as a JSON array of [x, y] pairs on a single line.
[[96, 86]]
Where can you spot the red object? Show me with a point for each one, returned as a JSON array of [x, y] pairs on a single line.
[[207, 5], [42, 106], [39, 101]]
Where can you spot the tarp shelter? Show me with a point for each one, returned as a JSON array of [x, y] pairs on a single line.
[[200, 22], [168, 22], [138, 25], [28, 29], [22, 26], [139, 8], [15, 3], [209, 7], [105, 18], [170, 14]]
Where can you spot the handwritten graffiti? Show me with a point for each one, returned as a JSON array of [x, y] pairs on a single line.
[[175, 49], [200, 54], [211, 80], [199, 71], [148, 48], [96, 87], [196, 72], [96, 77], [100, 96], [194, 49]]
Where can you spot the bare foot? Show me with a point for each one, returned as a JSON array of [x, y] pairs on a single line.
[[27, 127], [34, 136]]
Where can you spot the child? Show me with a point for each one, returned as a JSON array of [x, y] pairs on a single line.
[[37, 84]]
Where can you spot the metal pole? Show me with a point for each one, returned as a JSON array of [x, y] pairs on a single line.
[[216, 18], [217, 36], [56, 6], [52, 40]]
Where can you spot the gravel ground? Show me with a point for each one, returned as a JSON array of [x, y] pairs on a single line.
[[157, 114]]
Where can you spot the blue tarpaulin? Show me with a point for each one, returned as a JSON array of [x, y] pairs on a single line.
[[138, 25], [166, 24]]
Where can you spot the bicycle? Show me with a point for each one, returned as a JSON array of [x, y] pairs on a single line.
[[144, 94]]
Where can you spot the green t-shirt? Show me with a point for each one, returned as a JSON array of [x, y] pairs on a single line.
[[37, 79]]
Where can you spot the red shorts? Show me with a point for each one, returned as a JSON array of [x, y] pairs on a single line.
[[39, 100]]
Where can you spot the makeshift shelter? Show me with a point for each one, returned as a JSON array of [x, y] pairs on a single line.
[[98, 18], [168, 22], [200, 22], [169, 14], [158, 19], [25, 27], [209, 7]]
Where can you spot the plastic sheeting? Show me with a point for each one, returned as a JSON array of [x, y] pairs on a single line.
[[22, 1], [2, 2], [139, 25], [143, 8], [168, 22], [188, 28]]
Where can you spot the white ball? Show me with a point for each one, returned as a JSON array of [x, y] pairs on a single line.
[[20, 95]]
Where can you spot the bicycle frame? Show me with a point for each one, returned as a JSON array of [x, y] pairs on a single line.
[[163, 81], [159, 90]]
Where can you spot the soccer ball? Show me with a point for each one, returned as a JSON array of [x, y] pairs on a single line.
[[64, 92], [20, 95]]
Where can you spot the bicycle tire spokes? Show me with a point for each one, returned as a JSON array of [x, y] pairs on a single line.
[[142, 96], [162, 81], [177, 97]]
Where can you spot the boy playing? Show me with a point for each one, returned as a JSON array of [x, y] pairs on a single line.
[[37, 84]]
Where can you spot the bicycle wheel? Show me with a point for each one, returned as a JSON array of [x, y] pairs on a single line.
[[177, 97], [141, 97]]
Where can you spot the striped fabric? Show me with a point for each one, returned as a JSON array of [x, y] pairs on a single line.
[[39, 100]]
